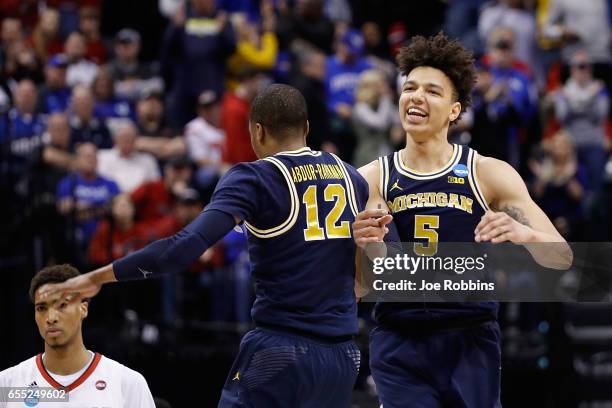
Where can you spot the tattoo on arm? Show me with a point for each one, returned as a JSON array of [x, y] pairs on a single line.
[[516, 213]]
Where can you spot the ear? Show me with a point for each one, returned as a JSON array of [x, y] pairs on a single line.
[[455, 111], [84, 308], [306, 129], [260, 132]]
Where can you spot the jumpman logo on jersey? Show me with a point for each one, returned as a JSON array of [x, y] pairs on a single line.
[[396, 185], [237, 376], [145, 274]]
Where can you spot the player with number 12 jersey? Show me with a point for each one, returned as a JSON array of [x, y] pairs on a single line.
[[298, 206]]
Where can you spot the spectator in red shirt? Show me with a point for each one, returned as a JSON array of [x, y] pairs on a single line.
[[45, 38], [235, 118], [121, 234], [24, 10], [117, 236], [89, 25], [188, 206], [155, 199]]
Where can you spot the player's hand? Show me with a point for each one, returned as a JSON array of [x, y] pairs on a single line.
[[77, 288], [370, 226], [82, 286], [499, 227]]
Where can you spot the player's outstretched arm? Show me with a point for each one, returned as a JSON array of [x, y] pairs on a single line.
[[515, 217], [167, 255]]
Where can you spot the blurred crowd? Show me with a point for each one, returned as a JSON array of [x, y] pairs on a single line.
[[114, 136]]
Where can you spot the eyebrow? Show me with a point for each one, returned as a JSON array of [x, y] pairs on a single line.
[[51, 301], [427, 84]]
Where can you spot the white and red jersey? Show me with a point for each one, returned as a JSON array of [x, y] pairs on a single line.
[[104, 383]]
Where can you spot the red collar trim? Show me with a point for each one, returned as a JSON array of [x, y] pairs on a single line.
[[77, 382]]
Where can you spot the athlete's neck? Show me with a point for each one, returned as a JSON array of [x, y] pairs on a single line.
[[428, 155], [67, 359], [287, 147]]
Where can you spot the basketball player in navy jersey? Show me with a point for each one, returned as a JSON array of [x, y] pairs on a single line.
[[298, 206], [426, 355]]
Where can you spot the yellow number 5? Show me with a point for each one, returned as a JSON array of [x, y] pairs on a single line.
[[333, 192], [430, 234]]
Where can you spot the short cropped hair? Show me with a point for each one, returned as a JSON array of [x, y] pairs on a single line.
[[449, 56], [52, 274], [279, 108]]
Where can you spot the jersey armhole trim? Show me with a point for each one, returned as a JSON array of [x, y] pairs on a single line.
[[473, 180], [293, 213], [349, 185], [383, 179]]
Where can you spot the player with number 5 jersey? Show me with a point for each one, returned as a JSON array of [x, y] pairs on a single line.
[[298, 206], [444, 354]]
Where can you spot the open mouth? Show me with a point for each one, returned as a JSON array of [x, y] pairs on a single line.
[[416, 115]]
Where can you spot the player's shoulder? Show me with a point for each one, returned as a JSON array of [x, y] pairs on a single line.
[[258, 169], [370, 172], [127, 374], [497, 177], [14, 373], [490, 167]]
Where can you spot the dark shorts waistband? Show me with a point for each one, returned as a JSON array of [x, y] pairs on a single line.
[[306, 335]]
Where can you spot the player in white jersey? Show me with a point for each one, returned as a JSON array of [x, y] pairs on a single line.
[[66, 366]]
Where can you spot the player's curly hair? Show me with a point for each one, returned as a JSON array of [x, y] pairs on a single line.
[[52, 274], [447, 55]]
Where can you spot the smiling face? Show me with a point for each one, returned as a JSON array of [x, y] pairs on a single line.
[[427, 103], [59, 321]]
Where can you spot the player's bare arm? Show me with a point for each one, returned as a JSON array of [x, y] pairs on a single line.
[[369, 226], [515, 217]]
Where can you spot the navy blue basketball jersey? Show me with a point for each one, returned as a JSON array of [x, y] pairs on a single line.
[[442, 206], [298, 208]]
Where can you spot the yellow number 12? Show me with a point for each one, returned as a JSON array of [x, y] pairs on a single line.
[[333, 192]]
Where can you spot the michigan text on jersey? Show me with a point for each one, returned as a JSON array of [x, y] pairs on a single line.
[[430, 200]]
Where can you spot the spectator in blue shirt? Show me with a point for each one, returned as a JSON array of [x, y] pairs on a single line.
[[194, 51], [83, 196], [510, 88], [84, 126], [21, 129], [107, 107], [343, 70], [54, 94]]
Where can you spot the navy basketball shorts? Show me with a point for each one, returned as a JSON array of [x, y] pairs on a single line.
[[458, 368], [275, 369]]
